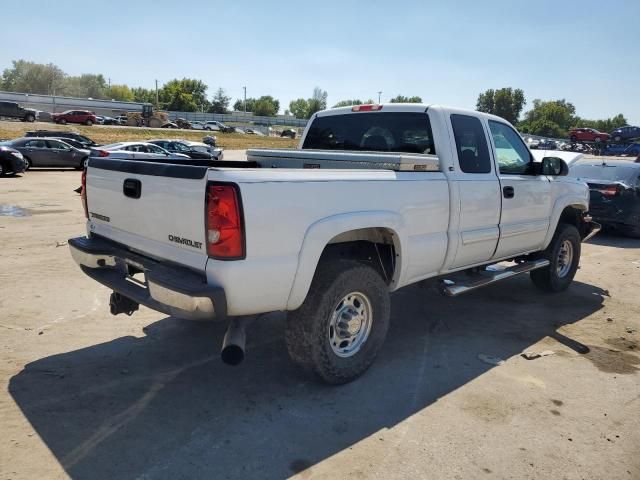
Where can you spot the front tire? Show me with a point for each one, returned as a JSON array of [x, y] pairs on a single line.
[[343, 322], [563, 254], [88, 123], [27, 163]]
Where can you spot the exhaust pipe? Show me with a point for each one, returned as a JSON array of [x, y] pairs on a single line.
[[232, 352]]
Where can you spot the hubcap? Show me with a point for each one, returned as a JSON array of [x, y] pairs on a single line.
[[565, 258], [350, 324]]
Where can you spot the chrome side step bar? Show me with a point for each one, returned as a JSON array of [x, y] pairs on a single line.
[[488, 277]]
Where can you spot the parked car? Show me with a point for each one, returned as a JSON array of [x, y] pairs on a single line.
[[99, 120], [84, 140], [197, 125], [625, 133], [196, 150], [75, 116], [15, 110], [169, 125], [371, 202], [49, 152], [121, 119], [288, 132], [547, 145], [622, 149], [110, 121], [11, 161], [214, 125], [135, 151], [584, 134], [253, 131], [614, 193]]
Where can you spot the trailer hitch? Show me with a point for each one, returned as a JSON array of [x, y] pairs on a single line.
[[120, 304]]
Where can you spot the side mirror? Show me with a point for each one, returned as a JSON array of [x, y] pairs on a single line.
[[554, 166]]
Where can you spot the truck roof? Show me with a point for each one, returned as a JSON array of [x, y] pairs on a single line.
[[407, 107]]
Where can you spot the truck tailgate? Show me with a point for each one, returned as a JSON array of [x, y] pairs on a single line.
[[153, 208]]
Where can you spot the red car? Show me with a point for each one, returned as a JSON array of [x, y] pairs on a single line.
[[75, 116], [584, 134]]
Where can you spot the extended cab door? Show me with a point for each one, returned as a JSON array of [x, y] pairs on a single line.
[[477, 188], [526, 197]]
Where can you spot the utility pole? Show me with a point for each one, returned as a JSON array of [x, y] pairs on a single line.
[[109, 83], [379, 93], [245, 101], [157, 102]]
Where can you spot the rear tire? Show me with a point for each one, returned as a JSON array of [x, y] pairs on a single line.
[[81, 166], [3, 171], [339, 329], [563, 254], [62, 121], [30, 118]]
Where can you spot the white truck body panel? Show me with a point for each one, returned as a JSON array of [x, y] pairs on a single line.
[[440, 221]]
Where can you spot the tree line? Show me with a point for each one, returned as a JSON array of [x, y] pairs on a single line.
[[547, 118]]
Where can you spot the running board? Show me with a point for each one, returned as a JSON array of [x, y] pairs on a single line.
[[488, 277]]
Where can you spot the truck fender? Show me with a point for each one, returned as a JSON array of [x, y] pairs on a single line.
[[322, 231], [571, 200]]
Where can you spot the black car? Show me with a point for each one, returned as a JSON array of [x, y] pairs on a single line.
[[15, 110], [11, 161], [614, 193], [289, 132], [180, 146], [86, 141]]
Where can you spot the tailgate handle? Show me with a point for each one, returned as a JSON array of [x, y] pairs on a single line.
[[132, 188]]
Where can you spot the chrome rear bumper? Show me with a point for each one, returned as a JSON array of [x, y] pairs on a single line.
[[169, 289]]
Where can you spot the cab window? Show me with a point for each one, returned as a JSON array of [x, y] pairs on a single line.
[[513, 156], [471, 144]]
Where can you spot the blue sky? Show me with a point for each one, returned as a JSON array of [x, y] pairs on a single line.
[[587, 52]]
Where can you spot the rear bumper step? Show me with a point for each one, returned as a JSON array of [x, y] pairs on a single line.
[[488, 277], [169, 289]]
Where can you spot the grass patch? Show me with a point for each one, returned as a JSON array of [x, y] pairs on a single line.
[[104, 134]]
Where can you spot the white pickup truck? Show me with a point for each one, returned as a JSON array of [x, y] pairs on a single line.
[[377, 197]]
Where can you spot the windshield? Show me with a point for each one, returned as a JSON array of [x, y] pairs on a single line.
[[611, 173], [405, 132]]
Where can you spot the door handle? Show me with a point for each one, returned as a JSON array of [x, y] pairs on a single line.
[[508, 192]]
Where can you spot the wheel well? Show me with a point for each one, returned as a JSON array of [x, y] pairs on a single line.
[[574, 216], [374, 246]]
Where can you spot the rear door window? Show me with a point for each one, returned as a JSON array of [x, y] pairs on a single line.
[[471, 144], [403, 132], [36, 144]]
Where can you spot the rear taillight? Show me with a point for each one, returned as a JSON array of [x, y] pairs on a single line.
[[103, 153], [366, 108], [610, 191], [225, 232], [83, 192]]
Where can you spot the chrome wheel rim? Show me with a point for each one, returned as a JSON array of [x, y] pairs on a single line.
[[565, 259], [350, 324]]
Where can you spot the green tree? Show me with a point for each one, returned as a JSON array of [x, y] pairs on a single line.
[[605, 125], [549, 118], [186, 95], [145, 95], [347, 103], [266, 106], [299, 108], [87, 85], [504, 102], [239, 105], [220, 102], [403, 99], [317, 102], [31, 77], [120, 92]]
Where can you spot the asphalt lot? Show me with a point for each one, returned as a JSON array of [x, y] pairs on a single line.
[[86, 395]]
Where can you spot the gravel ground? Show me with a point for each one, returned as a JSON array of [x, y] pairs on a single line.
[[90, 396]]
